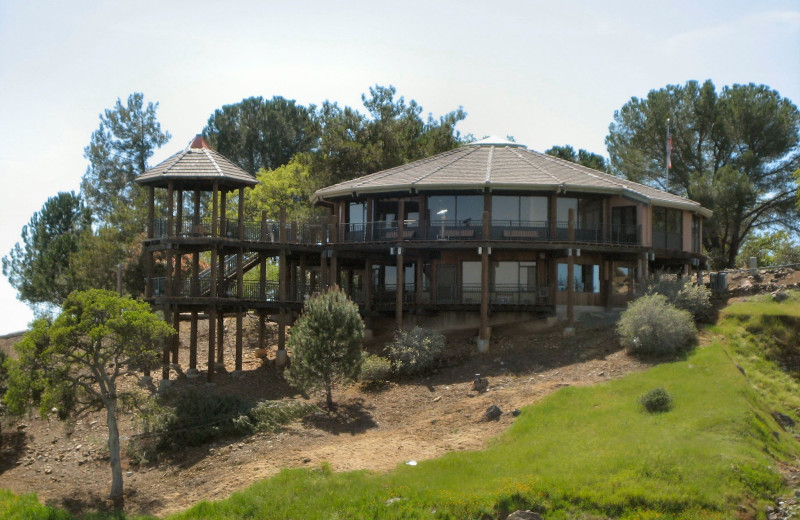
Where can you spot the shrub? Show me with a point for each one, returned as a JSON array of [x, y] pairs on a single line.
[[651, 325], [416, 352], [656, 400], [326, 343], [684, 295], [374, 368]]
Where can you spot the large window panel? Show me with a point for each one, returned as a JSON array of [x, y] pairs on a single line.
[[469, 207], [533, 209], [505, 209], [439, 203]]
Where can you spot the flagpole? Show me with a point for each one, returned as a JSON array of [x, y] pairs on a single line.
[[667, 165]]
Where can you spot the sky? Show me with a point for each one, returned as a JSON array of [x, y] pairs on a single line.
[[548, 73]]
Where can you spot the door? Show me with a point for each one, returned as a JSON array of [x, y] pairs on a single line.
[[446, 288], [623, 225]]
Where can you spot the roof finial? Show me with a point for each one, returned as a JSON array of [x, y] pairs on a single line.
[[198, 142]]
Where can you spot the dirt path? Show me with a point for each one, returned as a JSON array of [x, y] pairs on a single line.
[[375, 430]]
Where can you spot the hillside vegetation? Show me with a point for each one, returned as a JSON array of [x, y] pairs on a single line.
[[586, 452]]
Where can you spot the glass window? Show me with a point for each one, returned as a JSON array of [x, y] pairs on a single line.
[[442, 203], [471, 273], [622, 280], [533, 209], [358, 212], [505, 208], [587, 278], [469, 207], [563, 206], [506, 273]]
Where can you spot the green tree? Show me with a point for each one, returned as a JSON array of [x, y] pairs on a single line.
[[258, 133], [582, 157], [393, 133], [76, 364], [732, 151], [770, 248], [326, 343], [42, 267], [118, 152], [284, 187]]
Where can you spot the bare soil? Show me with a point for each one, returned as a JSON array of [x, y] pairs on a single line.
[[374, 429]]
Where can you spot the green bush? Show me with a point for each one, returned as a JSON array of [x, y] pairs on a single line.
[[326, 343], [374, 368], [684, 295], [651, 325], [417, 351], [656, 400]]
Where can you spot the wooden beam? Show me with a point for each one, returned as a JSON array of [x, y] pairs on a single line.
[[221, 339], [485, 280], [239, 316], [571, 271], [193, 342], [398, 315], [240, 233], [212, 337]]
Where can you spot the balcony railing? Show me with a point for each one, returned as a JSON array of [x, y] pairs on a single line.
[[320, 232]]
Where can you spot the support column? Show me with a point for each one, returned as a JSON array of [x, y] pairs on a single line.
[[280, 355], [151, 212], [553, 217], [418, 267], [221, 341], [484, 334], [608, 273], [212, 337], [262, 329], [238, 368], [240, 231], [176, 340], [334, 270], [398, 313], [303, 287], [215, 210], [170, 208], [179, 214], [223, 213], [192, 372], [571, 272]]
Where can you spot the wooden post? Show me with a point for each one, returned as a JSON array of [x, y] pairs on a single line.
[[221, 339], [223, 213], [571, 271], [487, 216], [422, 230], [418, 279], [241, 214], [608, 287], [215, 210], [151, 211], [401, 223], [280, 358], [323, 271], [176, 340], [148, 274], [196, 214], [179, 214], [212, 336], [170, 208], [398, 316], [193, 342], [553, 216], [485, 281], [239, 315]]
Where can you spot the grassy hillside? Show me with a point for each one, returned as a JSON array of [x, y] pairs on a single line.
[[591, 452]]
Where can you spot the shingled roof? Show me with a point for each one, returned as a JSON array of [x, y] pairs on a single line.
[[199, 166], [499, 164]]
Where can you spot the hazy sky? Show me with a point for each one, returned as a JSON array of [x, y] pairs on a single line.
[[545, 72]]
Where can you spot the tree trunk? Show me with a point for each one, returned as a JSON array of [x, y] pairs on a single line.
[[329, 397], [113, 449]]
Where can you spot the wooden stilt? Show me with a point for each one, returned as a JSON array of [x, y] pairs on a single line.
[[398, 314], [483, 334], [571, 270], [193, 342], [239, 316], [221, 339], [176, 339], [212, 337]]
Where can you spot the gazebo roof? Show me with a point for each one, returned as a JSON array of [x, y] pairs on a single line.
[[498, 164], [197, 167]]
